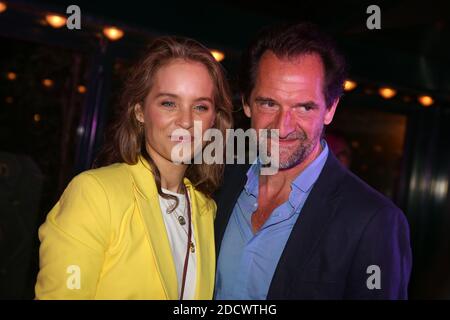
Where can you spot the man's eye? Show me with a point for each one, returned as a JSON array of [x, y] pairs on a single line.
[[168, 104], [305, 108], [201, 108], [267, 103]]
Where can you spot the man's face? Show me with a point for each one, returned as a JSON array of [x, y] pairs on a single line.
[[288, 95]]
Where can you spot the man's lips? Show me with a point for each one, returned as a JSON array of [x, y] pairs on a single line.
[[285, 141]]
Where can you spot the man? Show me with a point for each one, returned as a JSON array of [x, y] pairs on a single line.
[[313, 230]]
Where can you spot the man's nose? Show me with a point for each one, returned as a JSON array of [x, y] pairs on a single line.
[[285, 123]]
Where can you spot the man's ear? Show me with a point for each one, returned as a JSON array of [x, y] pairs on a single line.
[[247, 109], [139, 113], [329, 112]]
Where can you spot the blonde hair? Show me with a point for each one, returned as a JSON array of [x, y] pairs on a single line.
[[127, 138]]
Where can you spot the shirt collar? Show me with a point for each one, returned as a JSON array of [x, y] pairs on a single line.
[[309, 175], [303, 182], [251, 187]]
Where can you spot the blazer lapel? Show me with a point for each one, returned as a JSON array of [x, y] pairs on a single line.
[[316, 213], [204, 244], [148, 202], [235, 177]]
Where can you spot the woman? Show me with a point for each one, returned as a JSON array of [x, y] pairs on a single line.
[[141, 226]]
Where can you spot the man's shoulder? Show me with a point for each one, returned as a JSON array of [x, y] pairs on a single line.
[[356, 208], [236, 169], [360, 203], [234, 178], [358, 192], [235, 173]]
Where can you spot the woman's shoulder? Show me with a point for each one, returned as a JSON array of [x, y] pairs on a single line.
[[206, 204], [112, 172], [113, 179]]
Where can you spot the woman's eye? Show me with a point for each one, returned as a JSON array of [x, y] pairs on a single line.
[[168, 104], [201, 108]]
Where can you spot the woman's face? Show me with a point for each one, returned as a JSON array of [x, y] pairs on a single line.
[[182, 92]]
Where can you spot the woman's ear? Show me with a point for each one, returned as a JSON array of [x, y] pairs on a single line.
[[213, 120], [139, 113]]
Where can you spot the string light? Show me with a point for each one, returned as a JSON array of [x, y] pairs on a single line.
[[11, 76], [349, 85], [218, 55], [426, 101], [56, 21], [47, 83], [113, 33], [3, 7], [387, 93], [81, 89]]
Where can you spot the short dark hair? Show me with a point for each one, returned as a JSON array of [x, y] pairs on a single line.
[[292, 40]]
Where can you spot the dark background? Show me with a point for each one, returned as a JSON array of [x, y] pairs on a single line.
[[50, 133]]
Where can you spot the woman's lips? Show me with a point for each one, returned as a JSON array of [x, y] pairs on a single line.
[[182, 138]]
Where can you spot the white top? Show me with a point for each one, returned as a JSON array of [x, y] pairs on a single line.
[[178, 235]]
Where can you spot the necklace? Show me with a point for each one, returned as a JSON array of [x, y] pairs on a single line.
[[189, 242], [182, 220]]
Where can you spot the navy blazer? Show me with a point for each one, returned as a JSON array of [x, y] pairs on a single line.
[[344, 228]]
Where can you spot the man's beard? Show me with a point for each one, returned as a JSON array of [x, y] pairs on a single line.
[[300, 153]]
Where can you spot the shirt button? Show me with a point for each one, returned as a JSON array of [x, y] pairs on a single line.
[[255, 205]]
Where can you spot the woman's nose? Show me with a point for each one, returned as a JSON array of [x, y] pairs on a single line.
[[185, 119]]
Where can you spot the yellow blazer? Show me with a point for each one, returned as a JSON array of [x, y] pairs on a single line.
[[106, 239]]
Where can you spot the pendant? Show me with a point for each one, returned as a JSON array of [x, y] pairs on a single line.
[[170, 209], [181, 220], [192, 247]]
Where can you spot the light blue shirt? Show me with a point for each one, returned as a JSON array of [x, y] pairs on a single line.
[[247, 261]]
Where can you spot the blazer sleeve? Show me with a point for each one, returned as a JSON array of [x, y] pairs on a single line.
[[73, 241], [214, 208], [382, 264]]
